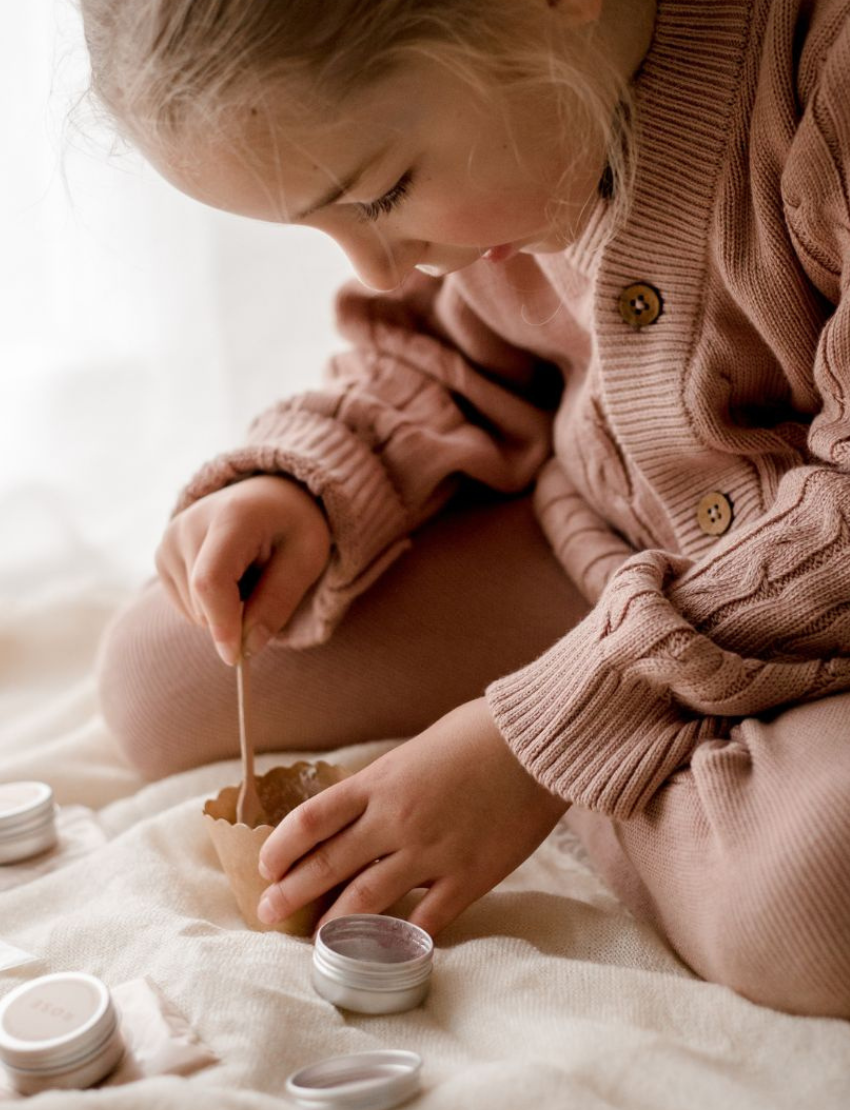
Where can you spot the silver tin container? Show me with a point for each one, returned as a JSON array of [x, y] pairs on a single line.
[[59, 1031], [27, 820], [360, 1081], [372, 963]]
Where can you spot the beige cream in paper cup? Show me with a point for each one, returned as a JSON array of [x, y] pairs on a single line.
[[281, 789]]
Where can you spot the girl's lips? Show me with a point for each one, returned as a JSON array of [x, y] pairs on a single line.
[[501, 253]]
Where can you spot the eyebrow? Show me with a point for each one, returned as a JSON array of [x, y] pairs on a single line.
[[345, 186]]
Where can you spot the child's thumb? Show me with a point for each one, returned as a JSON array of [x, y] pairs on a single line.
[[274, 598]]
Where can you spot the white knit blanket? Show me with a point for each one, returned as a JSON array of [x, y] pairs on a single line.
[[546, 994]]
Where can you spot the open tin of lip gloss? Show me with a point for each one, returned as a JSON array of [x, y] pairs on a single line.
[[372, 963]]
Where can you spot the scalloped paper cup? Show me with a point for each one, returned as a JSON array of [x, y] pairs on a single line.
[[238, 847]]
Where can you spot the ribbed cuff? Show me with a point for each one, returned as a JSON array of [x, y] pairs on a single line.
[[588, 733]]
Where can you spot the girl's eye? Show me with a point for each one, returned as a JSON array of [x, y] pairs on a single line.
[[385, 204]]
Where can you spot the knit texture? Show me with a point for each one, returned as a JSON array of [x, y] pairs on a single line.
[[528, 374]]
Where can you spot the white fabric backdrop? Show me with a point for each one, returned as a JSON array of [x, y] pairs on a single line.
[[139, 330]]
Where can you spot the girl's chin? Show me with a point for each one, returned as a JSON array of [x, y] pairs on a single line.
[[546, 246], [502, 253]]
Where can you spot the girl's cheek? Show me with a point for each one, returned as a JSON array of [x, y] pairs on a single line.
[[489, 222]]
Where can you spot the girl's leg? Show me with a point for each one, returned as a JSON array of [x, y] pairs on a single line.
[[480, 594], [743, 859]]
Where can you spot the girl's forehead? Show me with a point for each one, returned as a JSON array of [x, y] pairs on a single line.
[[270, 164], [271, 169]]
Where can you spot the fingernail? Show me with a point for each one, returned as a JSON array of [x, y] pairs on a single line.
[[264, 871], [225, 646], [266, 911], [257, 639], [227, 652]]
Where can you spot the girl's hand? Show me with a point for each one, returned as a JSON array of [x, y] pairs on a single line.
[[452, 810], [267, 524]]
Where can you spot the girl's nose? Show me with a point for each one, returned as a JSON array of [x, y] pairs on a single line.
[[380, 262]]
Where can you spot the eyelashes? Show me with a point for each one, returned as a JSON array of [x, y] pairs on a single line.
[[388, 202]]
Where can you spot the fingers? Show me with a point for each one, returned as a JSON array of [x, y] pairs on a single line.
[[285, 579], [322, 844], [205, 574], [371, 889], [174, 575], [266, 524], [375, 888], [173, 588], [444, 902], [307, 826], [214, 588]]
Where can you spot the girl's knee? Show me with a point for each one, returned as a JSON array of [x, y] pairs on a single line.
[[798, 975], [153, 672], [776, 851], [780, 931]]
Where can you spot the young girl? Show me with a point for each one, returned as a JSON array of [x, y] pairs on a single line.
[[574, 511]]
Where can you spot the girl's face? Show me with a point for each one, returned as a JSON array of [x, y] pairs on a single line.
[[421, 173]]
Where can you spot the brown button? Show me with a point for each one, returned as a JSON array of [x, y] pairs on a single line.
[[640, 304], [714, 514]]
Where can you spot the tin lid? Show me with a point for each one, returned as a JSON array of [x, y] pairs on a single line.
[[24, 805], [359, 1081], [55, 1021]]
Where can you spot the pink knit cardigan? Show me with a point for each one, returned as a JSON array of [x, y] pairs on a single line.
[[741, 223]]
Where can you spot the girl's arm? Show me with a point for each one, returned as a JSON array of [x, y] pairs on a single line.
[[428, 396], [677, 650]]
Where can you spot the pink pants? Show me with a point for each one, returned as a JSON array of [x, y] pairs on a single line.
[[742, 859]]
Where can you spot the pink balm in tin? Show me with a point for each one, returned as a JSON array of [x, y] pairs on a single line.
[[372, 963]]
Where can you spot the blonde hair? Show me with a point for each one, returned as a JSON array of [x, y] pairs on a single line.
[[163, 68]]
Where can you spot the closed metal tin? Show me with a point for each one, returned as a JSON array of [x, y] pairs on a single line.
[[27, 820], [59, 1031]]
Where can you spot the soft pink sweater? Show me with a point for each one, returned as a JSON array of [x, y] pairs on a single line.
[[741, 222]]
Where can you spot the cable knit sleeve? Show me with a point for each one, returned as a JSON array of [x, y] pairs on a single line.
[[427, 395], [678, 648]]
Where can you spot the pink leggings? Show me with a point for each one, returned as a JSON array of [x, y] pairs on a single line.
[[742, 859]]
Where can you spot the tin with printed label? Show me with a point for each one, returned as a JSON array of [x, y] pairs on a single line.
[[59, 1031]]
